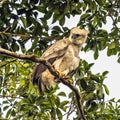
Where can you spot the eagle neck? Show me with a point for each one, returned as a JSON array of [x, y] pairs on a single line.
[[76, 49]]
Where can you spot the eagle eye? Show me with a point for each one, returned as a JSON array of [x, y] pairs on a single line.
[[74, 36], [77, 35]]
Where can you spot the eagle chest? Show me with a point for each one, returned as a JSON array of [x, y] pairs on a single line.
[[70, 60]]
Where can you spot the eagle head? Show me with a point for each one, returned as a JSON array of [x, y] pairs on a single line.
[[78, 36]]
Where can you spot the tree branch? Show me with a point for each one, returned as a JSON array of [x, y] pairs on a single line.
[[10, 96], [33, 58], [8, 62], [13, 34]]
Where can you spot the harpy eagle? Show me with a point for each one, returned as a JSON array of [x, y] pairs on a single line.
[[63, 55]]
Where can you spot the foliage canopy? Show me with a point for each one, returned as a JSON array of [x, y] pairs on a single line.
[[25, 27]]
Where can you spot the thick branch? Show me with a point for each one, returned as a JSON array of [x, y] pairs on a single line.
[[33, 58], [20, 56]]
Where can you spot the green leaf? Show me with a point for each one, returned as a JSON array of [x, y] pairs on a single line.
[[8, 113], [90, 96], [63, 105], [24, 21], [26, 65], [94, 106], [114, 32], [119, 19], [106, 89], [112, 100], [45, 103], [84, 16], [13, 112], [91, 64], [55, 17], [62, 94], [71, 95], [109, 52], [5, 107], [112, 45], [105, 73], [100, 93], [22, 82], [59, 114], [15, 46], [118, 60], [5, 102], [118, 100], [102, 105], [100, 2], [14, 25], [48, 15], [62, 21], [57, 28], [83, 84], [96, 54]]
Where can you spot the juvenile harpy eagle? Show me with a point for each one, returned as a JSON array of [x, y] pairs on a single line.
[[63, 55]]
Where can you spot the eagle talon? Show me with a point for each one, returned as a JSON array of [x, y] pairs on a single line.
[[61, 74], [70, 80]]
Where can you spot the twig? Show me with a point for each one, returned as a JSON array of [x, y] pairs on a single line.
[[71, 109], [13, 34], [114, 22], [33, 58], [8, 62], [9, 96]]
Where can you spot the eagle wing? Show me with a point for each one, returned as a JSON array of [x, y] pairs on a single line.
[[54, 52]]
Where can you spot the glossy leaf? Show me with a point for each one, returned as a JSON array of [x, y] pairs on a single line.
[[106, 89], [62, 94], [96, 54]]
